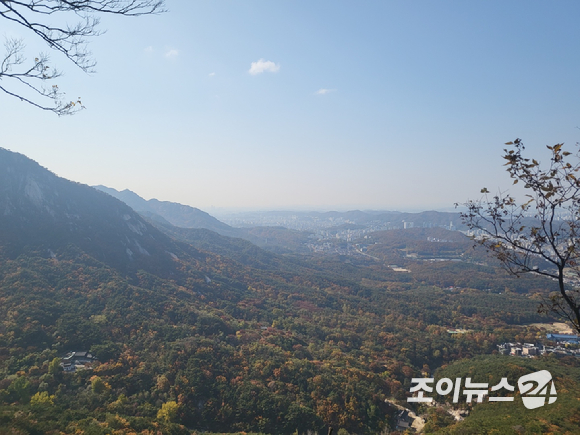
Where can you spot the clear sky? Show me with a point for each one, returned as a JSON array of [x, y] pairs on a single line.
[[399, 105]]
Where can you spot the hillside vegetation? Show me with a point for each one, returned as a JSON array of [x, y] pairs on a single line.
[[195, 331]]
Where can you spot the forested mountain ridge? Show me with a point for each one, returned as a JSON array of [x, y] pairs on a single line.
[[177, 214], [238, 249], [273, 238], [221, 335], [44, 213]]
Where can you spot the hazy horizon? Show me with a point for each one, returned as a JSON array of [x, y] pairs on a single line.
[[298, 208], [299, 105]]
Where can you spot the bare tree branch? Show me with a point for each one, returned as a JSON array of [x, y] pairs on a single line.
[[71, 41]]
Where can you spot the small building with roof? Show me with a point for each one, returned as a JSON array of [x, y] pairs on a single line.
[[74, 361]]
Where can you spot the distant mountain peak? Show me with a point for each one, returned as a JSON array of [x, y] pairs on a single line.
[[180, 215], [40, 211]]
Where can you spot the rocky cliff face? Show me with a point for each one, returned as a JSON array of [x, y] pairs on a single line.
[[42, 212]]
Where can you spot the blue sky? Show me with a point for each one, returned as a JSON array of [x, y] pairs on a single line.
[[379, 104]]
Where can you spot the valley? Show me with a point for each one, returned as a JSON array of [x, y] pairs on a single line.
[[196, 331]]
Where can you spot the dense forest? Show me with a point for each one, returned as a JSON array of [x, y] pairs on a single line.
[[197, 332], [249, 350]]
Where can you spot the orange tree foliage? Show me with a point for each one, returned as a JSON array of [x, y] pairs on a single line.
[[301, 347]]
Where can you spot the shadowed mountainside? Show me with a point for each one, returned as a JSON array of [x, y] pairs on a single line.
[[272, 238], [177, 214], [42, 212]]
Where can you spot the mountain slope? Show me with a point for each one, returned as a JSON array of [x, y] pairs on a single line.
[[236, 340], [237, 249], [40, 211], [179, 215], [277, 239]]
